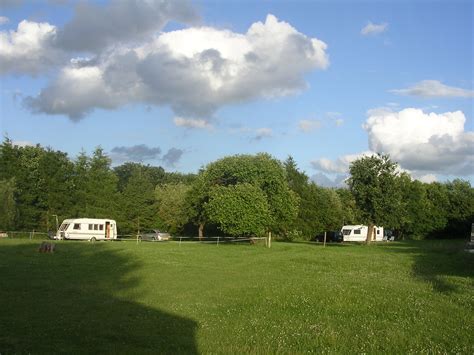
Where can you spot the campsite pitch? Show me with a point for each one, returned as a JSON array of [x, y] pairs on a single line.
[[123, 297]]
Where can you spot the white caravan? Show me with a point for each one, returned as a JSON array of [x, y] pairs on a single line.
[[358, 233], [87, 229]]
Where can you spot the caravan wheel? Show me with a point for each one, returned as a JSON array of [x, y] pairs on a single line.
[[92, 239]]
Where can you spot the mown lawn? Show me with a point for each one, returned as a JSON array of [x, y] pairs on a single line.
[[124, 297]]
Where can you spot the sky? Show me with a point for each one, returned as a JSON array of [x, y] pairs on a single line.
[[181, 84]]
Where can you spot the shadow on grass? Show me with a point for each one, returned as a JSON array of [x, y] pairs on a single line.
[[436, 261], [73, 301]]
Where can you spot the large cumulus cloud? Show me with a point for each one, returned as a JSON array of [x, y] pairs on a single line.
[[425, 142], [29, 49], [95, 28], [194, 71]]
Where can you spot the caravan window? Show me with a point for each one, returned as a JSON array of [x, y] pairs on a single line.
[[77, 226], [356, 231], [64, 226], [96, 227], [346, 231], [378, 231], [91, 227], [101, 227]]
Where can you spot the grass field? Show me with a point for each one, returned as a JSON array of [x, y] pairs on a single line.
[[124, 297]]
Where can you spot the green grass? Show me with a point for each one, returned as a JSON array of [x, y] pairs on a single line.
[[124, 297]]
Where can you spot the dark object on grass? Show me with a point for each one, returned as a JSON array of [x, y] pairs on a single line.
[[388, 235], [46, 247], [332, 236]]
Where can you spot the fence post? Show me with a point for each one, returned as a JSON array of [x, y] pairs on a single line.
[[218, 240], [269, 239]]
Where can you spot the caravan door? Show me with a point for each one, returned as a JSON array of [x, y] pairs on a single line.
[[107, 230]]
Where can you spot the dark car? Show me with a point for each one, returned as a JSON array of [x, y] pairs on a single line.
[[153, 235], [331, 236], [388, 235]]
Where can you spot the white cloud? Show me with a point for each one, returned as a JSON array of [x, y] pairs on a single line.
[[29, 49], [23, 144], [309, 125], [4, 20], [340, 165], [326, 181], [94, 28], [374, 29], [423, 142], [194, 71], [75, 92], [428, 178], [261, 133], [192, 123], [434, 88]]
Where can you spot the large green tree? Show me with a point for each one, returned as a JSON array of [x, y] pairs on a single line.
[[461, 208], [55, 187], [262, 171], [416, 217], [374, 185], [239, 210], [7, 204], [101, 195], [138, 209], [172, 209]]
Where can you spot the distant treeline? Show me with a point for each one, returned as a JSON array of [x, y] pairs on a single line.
[[240, 195]]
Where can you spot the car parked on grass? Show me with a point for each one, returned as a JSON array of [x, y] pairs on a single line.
[[331, 236], [153, 235]]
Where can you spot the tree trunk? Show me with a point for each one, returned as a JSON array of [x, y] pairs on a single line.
[[370, 233], [201, 231]]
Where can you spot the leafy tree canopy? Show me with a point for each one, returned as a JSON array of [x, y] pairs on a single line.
[[261, 171], [373, 183]]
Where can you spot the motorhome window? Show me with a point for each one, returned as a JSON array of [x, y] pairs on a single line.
[[96, 227], [91, 227], [346, 231], [77, 226], [356, 231], [101, 227]]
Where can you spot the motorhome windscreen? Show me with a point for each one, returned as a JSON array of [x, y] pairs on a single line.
[[63, 226], [346, 231]]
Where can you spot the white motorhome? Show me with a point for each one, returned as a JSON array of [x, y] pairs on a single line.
[[358, 233], [87, 229]]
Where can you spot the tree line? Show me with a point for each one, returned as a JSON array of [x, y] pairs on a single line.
[[241, 195]]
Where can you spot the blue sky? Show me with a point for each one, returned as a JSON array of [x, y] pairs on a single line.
[[185, 83]]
